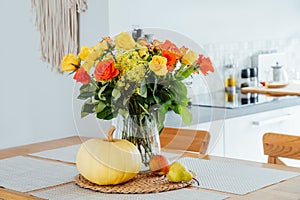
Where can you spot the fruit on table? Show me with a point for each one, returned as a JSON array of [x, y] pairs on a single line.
[[159, 164], [178, 173], [108, 161]]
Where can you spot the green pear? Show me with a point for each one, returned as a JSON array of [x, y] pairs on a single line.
[[177, 166], [178, 173], [174, 176], [187, 176]]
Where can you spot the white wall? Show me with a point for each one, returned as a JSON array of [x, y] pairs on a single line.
[[210, 21], [36, 103]]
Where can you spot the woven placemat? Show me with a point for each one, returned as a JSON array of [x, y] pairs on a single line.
[[142, 183]]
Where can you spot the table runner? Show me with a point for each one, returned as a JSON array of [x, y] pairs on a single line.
[[74, 192], [25, 174], [68, 154], [233, 177]]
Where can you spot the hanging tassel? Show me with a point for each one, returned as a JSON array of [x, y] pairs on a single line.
[[58, 24]]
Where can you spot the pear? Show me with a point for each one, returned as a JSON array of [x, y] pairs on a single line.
[[187, 176], [178, 173], [174, 176]]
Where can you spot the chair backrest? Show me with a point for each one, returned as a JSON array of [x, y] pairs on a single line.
[[184, 139], [281, 145]]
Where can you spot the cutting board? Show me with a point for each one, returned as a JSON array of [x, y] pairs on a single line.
[[288, 90]]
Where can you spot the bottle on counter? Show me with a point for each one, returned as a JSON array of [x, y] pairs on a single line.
[[245, 82], [253, 83], [230, 82], [253, 76]]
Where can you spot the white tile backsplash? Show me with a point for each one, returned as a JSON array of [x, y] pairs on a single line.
[[241, 53]]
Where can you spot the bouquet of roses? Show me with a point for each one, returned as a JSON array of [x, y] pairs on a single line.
[[131, 78]]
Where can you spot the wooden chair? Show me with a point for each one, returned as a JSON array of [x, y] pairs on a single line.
[[281, 145], [184, 139]]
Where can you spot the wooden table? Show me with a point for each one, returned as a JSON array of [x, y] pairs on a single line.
[[289, 189]]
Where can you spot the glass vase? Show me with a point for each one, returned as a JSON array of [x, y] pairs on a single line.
[[143, 133]]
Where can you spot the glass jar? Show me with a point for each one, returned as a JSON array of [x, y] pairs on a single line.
[[230, 83], [253, 76], [245, 82]]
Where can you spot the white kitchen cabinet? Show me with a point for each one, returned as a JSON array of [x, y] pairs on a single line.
[[291, 126], [243, 135]]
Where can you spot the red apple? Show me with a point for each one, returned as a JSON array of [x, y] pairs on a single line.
[[159, 164]]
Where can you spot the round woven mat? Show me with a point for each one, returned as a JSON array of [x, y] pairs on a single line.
[[142, 183]]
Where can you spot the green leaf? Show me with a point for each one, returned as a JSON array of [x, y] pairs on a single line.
[[180, 93], [165, 95], [105, 113], [177, 108], [87, 91], [184, 73], [163, 109], [116, 93], [185, 101], [143, 108], [87, 108], [186, 116], [85, 95], [99, 107], [84, 114], [101, 91], [160, 121], [143, 88], [124, 112]]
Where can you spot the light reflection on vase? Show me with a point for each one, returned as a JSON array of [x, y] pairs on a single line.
[[143, 133]]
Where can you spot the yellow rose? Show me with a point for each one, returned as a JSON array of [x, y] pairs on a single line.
[[87, 66], [84, 52], [93, 55], [158, 65], [101, 46], [69, 63], [189, 58], [124, 41], [144, 54]]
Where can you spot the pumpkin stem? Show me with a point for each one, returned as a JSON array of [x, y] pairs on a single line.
[[110, 133]]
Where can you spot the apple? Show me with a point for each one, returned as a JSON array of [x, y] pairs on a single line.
[[159, 164]]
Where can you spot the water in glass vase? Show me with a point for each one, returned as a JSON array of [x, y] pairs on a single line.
[[143, 133]]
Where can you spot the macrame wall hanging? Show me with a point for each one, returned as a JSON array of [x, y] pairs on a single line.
[[58, 24]]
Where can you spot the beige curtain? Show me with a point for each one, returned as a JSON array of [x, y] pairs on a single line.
[[58, 24]]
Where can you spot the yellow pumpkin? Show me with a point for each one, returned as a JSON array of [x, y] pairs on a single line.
[[108, 161]]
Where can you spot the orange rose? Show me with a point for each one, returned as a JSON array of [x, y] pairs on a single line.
[[169, 46], [183, 50], [205, 64], [105, 70], [171, 59], [82, 76]]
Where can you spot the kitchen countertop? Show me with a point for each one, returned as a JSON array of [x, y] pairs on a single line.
[[207, 113]]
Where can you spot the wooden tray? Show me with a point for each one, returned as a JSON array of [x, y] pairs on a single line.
[[288, 90], [142, 183]]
